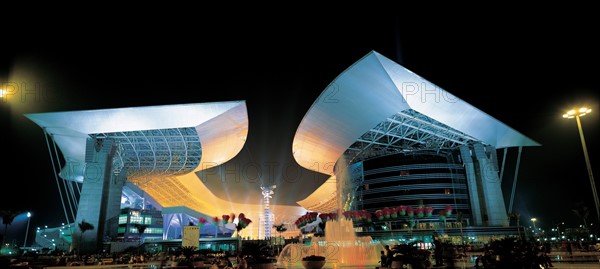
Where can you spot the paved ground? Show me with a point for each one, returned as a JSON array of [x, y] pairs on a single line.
[[559, 260], [558, 265]]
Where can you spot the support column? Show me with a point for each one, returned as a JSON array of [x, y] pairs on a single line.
[[492, 191], [112, 210], [99, 192], [514, 185], [465, 153]]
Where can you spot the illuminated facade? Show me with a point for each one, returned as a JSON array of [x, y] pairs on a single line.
[[388, 137], [149, 220], [144, 157], [156, 150]]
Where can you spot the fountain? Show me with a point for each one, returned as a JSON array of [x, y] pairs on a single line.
[[340, 246]]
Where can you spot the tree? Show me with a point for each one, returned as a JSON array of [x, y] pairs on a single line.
[[140, 229], [280, 228], [84, 226], [459, 219], [516, 217], [582, 212], [8, 216], [188, 252]]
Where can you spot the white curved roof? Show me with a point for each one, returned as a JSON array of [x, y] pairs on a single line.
[[323, 199], [221, 129], [190, 191], [374, 95]]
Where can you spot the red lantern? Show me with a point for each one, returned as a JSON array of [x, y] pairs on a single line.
[[201, 221]]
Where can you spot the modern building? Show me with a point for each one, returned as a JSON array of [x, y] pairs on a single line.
[[385, 136], [390, 138], [157, 149], [48, 239]]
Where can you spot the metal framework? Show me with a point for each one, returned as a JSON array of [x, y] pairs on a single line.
[[172, 152], [406, 131]]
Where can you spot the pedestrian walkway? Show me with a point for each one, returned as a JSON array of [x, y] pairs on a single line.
[[465, 264], [559, 260]]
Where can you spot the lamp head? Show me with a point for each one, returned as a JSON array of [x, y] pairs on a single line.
[[580, 112]]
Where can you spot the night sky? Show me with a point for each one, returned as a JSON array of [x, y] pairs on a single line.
[[523, 74]]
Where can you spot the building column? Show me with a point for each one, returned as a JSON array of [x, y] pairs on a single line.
[[465, 153], [100, 195], [490, 185], [112, 210]]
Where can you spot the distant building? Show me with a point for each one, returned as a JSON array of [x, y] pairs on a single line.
[[53, 238]]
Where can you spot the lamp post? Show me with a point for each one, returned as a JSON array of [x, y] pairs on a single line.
[[577, 113], [27, 230], [533, 220]]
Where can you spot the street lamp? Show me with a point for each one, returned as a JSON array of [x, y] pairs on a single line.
[[534, 229], [27, 230], [577, 113]]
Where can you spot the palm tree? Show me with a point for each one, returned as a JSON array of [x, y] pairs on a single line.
[[459, 219], [280, 229], [188, 252], [582, 212], [140, 228], [516, 217], [8, 216], [84, 226]]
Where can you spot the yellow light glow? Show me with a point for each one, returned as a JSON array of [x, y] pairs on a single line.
[[583, 111], [580, 112]]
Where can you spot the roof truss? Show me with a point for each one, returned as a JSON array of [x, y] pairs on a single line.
[[403, 132]]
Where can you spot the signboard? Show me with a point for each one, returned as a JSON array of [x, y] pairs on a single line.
[[191, 235]]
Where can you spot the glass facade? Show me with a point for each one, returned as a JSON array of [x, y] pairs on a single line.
[[130, 219], [417, 180]]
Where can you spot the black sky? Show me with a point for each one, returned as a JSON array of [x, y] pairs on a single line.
[[525, 74]]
